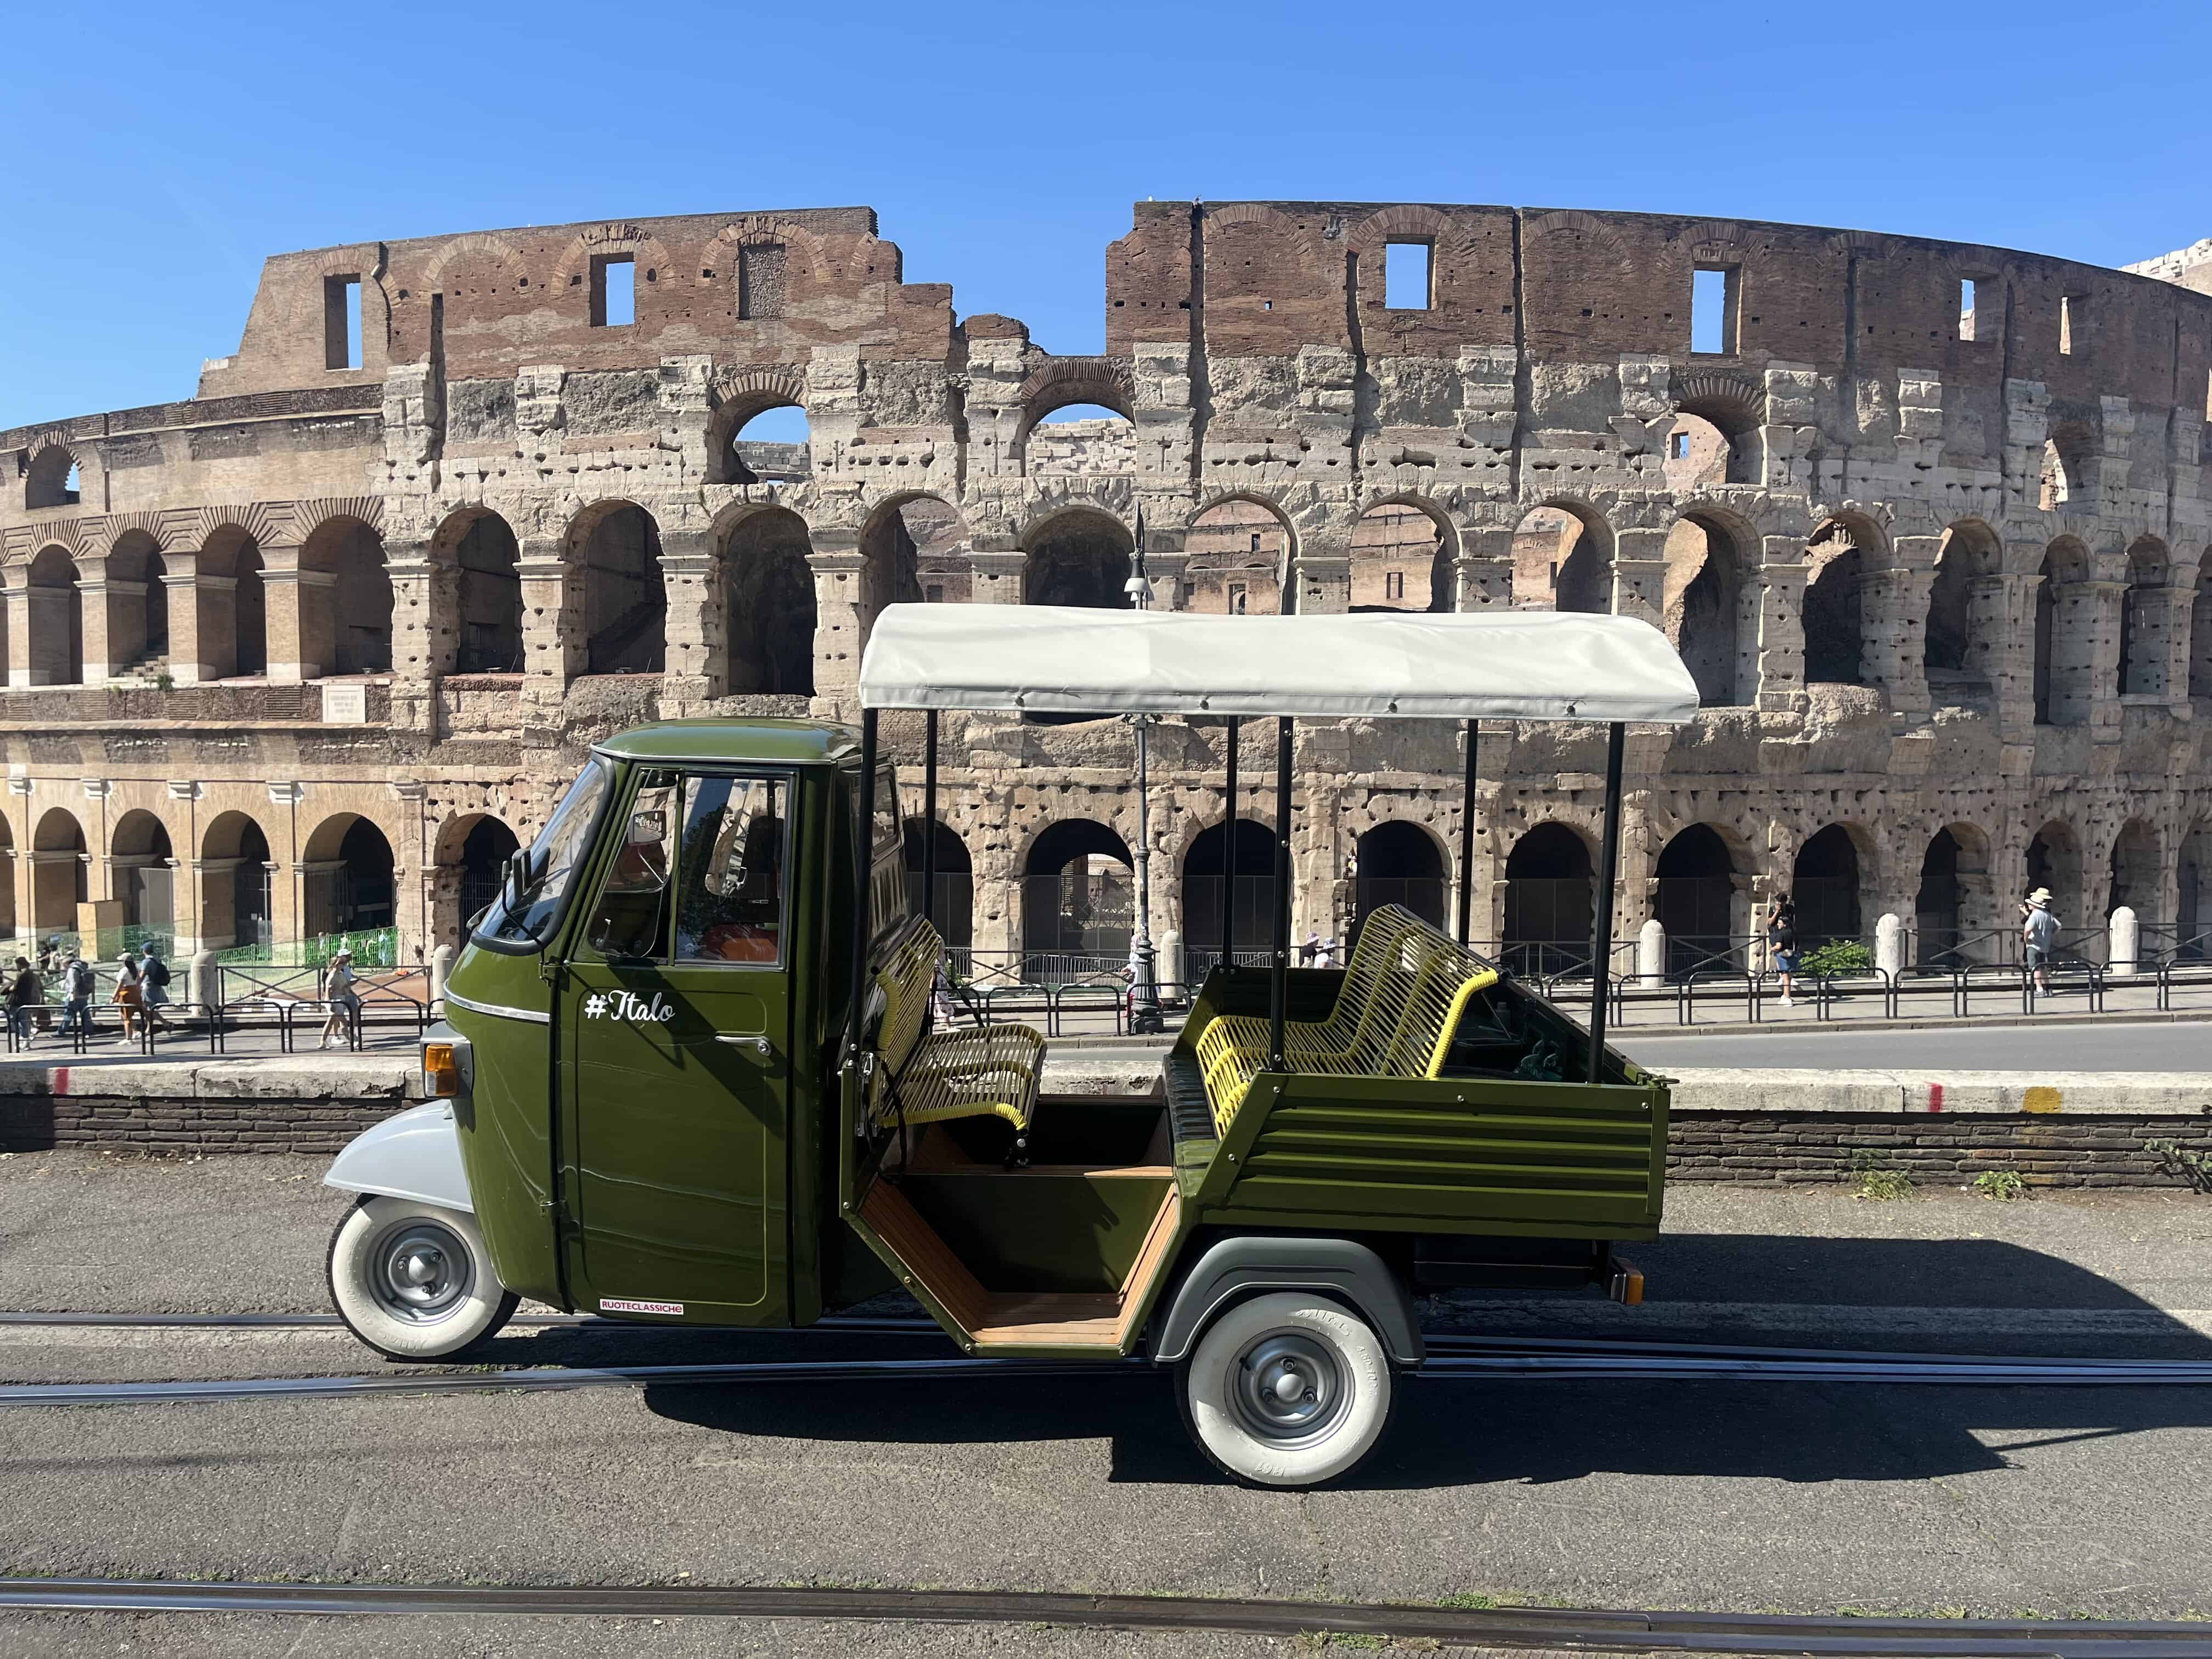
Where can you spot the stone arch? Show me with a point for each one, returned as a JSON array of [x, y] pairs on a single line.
[[1077, 555], [614, 546], [1954, 906], [1709, 554], [1205, 867], [742, 395], [1109, 382], [1833, 881], [142, 867], [232, 604], [344, 599], [61, 872], [2136, 875], [1073, 902], [1700, 896], [53, 478], [1550, 899], [1401, 555], [1736, 407], [56, 619], [768, 604], [1401, 862], [349, 881], [237, 885], [2068, 459], [1563, 553], [472, 849], [137, 605], [1964, 640], [2054, 860], [1237, 557], [486, 559], [2200, 630], [1840, 555], [2144, 620], [2065, 636], [2192, 930], [951, 908], [891, 542]]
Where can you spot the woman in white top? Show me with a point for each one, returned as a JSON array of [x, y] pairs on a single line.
[[344, 1000]]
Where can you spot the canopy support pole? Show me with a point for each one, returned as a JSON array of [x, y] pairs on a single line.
[[929, 818], [1229, 857], [1279, 987], [1467, 833], [863, 838], [1609, 862]]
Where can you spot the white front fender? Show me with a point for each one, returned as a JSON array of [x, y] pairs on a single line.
[[414, 1154]]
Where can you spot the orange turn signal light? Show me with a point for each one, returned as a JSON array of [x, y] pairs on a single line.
[[441, 1069]]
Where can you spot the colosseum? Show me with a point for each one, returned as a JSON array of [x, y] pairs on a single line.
[[308, 651]]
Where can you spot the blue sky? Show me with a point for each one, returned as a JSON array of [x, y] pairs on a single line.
[[157, 153]]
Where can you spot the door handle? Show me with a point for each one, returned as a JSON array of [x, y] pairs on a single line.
[[760, 1045]]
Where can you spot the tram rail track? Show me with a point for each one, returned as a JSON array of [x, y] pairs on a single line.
[[1553, 1628]]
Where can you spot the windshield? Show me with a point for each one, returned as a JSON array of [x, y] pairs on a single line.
[[560, 848]]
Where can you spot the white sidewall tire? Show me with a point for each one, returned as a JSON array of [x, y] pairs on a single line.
[[1211, 1373], [480, 1307]]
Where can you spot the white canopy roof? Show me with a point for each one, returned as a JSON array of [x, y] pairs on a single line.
[[1063, 660]]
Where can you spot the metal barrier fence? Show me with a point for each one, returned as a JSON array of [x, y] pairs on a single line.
[[283, 1001]]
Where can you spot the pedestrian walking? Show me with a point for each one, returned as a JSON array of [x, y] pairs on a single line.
[[344, 1001], [2039, 934], [128, 993], [1325, 956], [77, 986], [1309, 953], [153, 986], [25, 993], [49, 956], [1782, 944]]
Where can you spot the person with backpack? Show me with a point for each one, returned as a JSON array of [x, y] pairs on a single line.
[[344, 1001], [2039, 934], [1782, 944], [130, 992], [77, 986], [24, 993], [153, 986]]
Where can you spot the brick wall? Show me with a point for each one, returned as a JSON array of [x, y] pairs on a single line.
[[155, 1124], [1935, 1148]]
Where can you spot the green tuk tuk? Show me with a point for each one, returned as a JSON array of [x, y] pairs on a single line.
[[694, 1071]]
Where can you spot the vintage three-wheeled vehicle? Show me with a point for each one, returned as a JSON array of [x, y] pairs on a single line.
[[693, 1071]]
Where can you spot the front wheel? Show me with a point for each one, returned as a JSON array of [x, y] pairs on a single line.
[[1287, 1390], [412, 1279]]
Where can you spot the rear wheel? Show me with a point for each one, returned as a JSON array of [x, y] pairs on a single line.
[[1289, 1390], [412, 1279]]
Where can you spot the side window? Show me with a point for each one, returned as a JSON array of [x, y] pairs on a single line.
[[887, 904], [631, 920], [732, 872]]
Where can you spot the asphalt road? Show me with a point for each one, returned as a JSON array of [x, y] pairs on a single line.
[[2121, 1046]]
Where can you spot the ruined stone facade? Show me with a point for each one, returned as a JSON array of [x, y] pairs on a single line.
[[1925, 519]]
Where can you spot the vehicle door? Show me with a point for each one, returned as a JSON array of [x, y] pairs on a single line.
[[676, 1020]]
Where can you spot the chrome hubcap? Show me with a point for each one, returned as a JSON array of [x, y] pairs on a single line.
[[1288, 1388], [421, 1271]]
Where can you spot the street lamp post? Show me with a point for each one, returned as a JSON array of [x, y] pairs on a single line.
[[1145, 989]]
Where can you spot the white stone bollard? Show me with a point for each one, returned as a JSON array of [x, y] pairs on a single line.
[[2123, 942], [441, 967], [1168, 970], [1651, 954], [1889, 945], [206, 979]]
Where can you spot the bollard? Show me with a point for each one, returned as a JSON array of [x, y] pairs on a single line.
[[1167, 970], [2123, 942], [1651, 954], [441, 967], [206, 979], [1889, 945]]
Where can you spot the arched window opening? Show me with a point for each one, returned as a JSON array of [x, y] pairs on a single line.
[[952, 904], [1699, 455], [892, 554], [236, 887], [1824, 884], [2065, 468], [1954, 878], [348, 886], [60, 874], [2143, 622], [1966, 615], [2065, 636], [1078, 902], [1549, 896], [939, 564], [8, 877], [625, 598], [56, 618], [1696, 903], [345, 626], [2134, 880], [1080, 439], [489, 580], [138, 609], [1398, 864], [1238, 552], [1080, 558], [769, 616], [1562, 561], [485, 853], [143, 876], [1204, 871], [2054, 860], [1834, 608], [1702, 597], [52, 480], [2200, 631], [772, 447], [1399, 560], [2192, 930], [231, 607]]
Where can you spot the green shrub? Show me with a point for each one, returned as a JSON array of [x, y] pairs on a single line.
[[1875, 1179], [1837, 958], [2003, 1185], [2182, 1162]]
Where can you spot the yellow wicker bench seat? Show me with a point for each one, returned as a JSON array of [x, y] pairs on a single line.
[[1402, 997], [928, 1077]]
